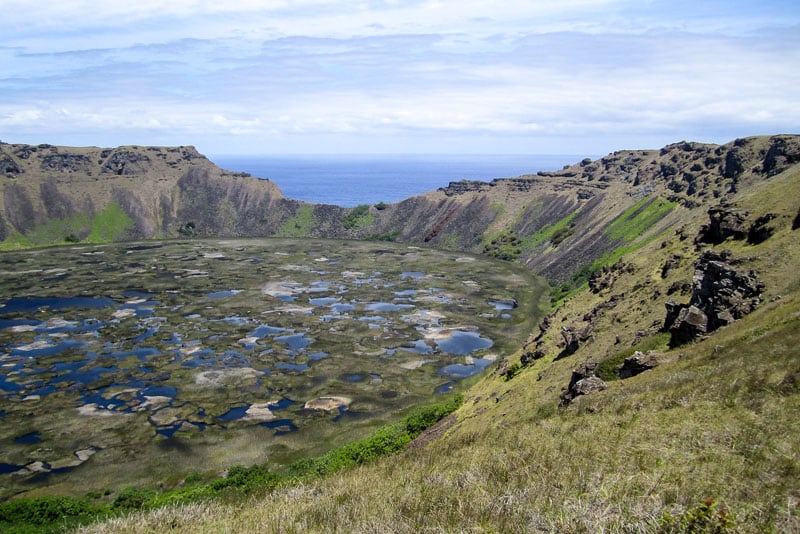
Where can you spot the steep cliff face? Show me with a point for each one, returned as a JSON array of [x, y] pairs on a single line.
[[55, 194], [565, 225]]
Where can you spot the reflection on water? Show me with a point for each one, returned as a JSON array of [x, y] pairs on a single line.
[[29, 304], [386, 307], [461, 342], [295, 341], [29, 439], [461, 370]]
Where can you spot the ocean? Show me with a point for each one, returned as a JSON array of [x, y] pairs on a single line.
[[350, 180]]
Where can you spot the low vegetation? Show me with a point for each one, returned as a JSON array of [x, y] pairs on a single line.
[[628, 230], [555, 233], [53, 514], [358, 217], [106, 226], [300, 224]]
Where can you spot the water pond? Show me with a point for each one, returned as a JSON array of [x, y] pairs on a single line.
[[141, 359]]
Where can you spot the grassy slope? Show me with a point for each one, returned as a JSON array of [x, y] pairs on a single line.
[[719, 420]]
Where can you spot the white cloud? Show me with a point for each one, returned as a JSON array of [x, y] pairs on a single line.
[[396, 73]]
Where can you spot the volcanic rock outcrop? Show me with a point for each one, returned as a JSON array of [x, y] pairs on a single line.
[[721, 294]]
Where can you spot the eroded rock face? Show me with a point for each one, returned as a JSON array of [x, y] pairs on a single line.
[[9, 167], [721, 294], [783, 152], [65, 162], [125, 162], [465, 186], [724, 222]]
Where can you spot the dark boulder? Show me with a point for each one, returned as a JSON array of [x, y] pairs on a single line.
[[573, 336], [637, 364], [584, 380], [685, 323], [672, 263], [724, 222], [528, 357], [588, 385]]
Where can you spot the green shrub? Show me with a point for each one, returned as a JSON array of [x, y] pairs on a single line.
[[46, 511], [357, 217], [387, 440], [133, 499], [504, 246], [423, 417], [705, 518], [386, 236], [512, 371], [561, 234]]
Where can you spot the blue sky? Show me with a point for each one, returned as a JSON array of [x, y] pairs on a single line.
[[391, 76]]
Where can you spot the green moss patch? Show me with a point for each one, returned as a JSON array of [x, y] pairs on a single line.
[[300, 224]]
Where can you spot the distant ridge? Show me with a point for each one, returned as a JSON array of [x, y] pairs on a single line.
[[555, 222]]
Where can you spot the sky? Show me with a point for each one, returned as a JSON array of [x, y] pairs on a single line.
[[393, 76]]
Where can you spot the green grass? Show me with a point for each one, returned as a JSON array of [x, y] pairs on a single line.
[[358, 217], [627, 229], [507, 245], [548, 232], [639, 218], [300, 224], [386, 236], [106, 226], [109, 224], [15, 241]]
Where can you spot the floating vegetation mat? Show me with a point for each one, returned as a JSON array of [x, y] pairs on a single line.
[[134, 363]]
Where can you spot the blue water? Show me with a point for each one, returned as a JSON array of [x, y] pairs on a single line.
[[29, 304], [350, 180]]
